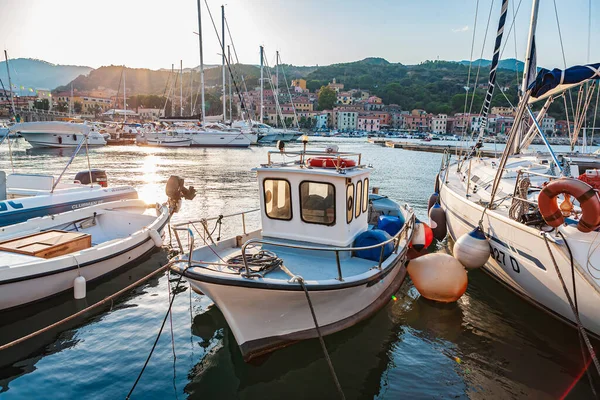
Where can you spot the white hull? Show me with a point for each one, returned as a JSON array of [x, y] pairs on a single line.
[[26, 279], [280, 317], [61, 140], [167, 143], [522, 262]]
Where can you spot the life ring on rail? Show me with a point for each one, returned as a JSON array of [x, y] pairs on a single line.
[[584, 193], [591, 177], [331, 162]]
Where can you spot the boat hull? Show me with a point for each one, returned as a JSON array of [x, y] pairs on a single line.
[[57, 275], [217, 139], [519, 260], [281, 317], [61, 140]]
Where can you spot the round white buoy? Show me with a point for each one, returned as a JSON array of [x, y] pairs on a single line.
[[433, 199], [156, 237], [437, 222], [439, 277], [472, 249], [79, 288]]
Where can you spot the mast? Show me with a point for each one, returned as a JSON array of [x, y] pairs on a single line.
[[261, 85], [12, 101], [181, 88], [223, 60], [124, 97], [277, 72], [529, 69], [191, 92], [70, 100], [201, 61], [230, 94]]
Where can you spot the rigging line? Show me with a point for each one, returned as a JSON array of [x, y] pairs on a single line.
[[277, 105], [515, 13], [237, 90], [289, 94], [464, 129], [118, 88], [589, 30], [562, 48], [237, 61], [595, 113], [480, 57]]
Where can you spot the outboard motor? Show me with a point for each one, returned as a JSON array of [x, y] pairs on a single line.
[[176, 191], [98, 176]]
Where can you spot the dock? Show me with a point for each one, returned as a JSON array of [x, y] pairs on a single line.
[[430, 148]]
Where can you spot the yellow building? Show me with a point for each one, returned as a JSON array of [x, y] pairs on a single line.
[[300, 83]]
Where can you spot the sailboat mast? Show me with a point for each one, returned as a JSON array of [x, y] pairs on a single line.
[[530, 67], [181, 88], [223, 60], [124, 97], [12, 101], [201, 61], [261, 85], [277, 72], [70, 100], [230, 93], [191, 92]]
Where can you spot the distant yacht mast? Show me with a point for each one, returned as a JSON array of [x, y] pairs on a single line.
[[201, 61], [223, 61]]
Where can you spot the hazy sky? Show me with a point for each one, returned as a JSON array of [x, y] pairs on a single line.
[[154, 34]]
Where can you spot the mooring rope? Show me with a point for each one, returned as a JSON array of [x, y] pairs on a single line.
[[572, 305]]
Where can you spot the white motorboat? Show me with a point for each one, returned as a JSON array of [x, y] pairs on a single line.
[[315, 236], [266, 133], [58, 134], [25, 196], [163, 140], [548, 255], [44, 256]]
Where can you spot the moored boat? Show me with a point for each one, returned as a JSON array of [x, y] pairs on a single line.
[[58, 134], [318, 239]]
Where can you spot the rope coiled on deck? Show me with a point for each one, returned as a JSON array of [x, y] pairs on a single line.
[[259, 263]]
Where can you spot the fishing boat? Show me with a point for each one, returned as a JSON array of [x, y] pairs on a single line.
[[539, 211], [58, 134], [322, 239], [45, 256]]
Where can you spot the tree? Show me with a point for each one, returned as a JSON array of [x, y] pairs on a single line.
[[41, 104], [327, 98], [77, 107], [62, 106]]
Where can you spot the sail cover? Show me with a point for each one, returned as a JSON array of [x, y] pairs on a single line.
[[548, 82]]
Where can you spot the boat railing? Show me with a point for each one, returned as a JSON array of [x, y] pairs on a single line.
[[406, 231]]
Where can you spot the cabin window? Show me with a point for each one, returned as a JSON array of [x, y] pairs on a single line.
[[349, 202], [359, 195], [318, 202], [365, 202], [278, 204]]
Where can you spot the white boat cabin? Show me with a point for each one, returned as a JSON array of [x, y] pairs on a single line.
[[318, 198]]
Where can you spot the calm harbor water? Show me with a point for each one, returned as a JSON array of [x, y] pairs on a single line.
[[490, 344]]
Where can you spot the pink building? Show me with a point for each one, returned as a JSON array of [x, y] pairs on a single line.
[[368, 123]]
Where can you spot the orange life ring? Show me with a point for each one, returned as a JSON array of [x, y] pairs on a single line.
[[592, 179], [331, 162], [584, 193]]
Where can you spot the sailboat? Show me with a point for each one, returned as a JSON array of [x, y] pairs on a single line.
[[544, 250]]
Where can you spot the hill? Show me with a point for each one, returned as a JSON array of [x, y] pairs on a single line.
[[509, 64], [38, 74]]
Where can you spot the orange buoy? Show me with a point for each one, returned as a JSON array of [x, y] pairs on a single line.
[[438, 277], [331, 162], [584, 193]]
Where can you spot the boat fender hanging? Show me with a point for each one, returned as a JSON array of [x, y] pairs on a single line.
[[156, 237], [370, 238], [79, 289], [423, 236], [584, 193], [433, 199], [439, 277], [390, 223], [472, 249], [437, 222], [436, 185]]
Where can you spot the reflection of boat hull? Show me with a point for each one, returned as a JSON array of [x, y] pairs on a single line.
[[168, 142], [276, 136], [270, 326], [516, 263]]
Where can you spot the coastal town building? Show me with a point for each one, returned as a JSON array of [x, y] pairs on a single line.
[[504, 111], [439, 124], [344, 98], [337, 87], [299, 84], [374, 103], [347, 120], [151, 113], [368, 123]]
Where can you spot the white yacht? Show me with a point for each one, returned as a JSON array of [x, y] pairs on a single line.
[[266, 133], [58, 134]]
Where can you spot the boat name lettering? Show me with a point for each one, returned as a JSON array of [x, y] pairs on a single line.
[[86, 204], [500, 257], [4, 205]]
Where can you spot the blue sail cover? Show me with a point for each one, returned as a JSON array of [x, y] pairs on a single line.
[[547, 80]]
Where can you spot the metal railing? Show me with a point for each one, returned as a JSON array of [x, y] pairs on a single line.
[[406, 233], [338, 156]]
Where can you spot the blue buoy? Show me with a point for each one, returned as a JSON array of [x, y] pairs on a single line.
[[370, 238]]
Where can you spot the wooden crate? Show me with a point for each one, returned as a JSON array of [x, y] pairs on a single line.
[[48, 244]]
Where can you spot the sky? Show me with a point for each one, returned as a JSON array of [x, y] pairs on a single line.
[[157, 33]]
